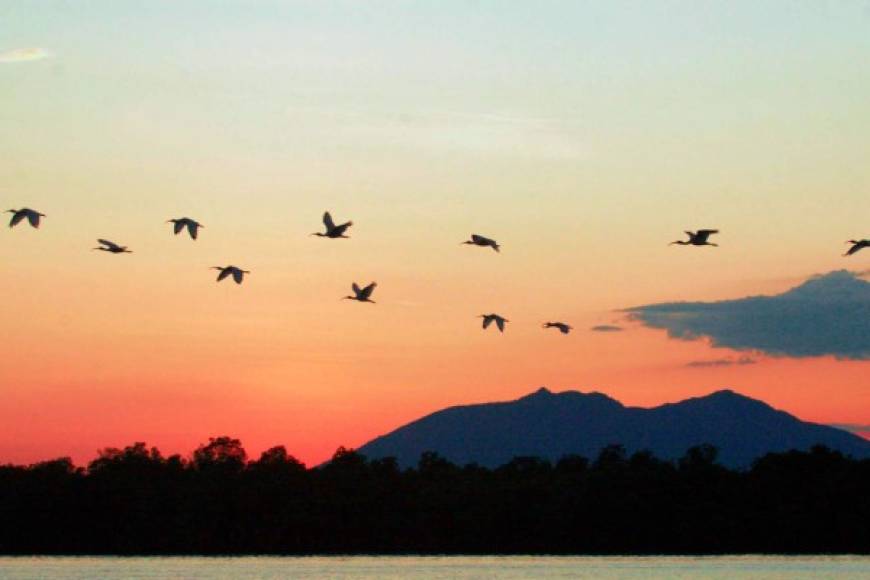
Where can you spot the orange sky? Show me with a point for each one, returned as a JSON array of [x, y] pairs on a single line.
[[583, 137]]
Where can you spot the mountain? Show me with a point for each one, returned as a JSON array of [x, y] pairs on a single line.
[[551, 425]]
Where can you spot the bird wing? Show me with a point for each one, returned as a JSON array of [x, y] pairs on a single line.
[[564, 328], [500, 323], [858, 246], [16, 217], [327, 221], [481, 240], [486, 321], [702, 235], [356, 289], [238, 275], [342, 228], [367, 291], [109, 245], [33, 218], [177, 226], [223, 274], [192, 229]]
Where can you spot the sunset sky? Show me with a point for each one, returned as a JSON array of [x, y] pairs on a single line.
[[582, 136]]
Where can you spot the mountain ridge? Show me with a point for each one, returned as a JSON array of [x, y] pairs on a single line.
[[551, 425]]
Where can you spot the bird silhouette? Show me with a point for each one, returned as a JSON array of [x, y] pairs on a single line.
[[112, 247], [332, 230], [698, 238], [482, 241], [489, 318], [191, 224], [237, 273], [563, 328], [25, 212], [362, 294], [857, 245]]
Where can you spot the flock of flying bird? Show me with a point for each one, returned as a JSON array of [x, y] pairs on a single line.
[[333, 230]]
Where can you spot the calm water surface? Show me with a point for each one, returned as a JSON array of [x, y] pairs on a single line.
[[435, 567]]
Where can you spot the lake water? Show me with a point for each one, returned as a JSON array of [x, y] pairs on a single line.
[[435, 567]]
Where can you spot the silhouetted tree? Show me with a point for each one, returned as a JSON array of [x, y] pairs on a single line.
[[134, 500]]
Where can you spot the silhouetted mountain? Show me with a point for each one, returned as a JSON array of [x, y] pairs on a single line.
[[551, 425]]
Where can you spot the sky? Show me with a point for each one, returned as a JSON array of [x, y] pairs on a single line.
[[583, 136]]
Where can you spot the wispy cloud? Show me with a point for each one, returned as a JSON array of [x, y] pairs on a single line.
[[606, 328], [826, 315], [24, 55], [852, 427], [506, 134], [722, 362]]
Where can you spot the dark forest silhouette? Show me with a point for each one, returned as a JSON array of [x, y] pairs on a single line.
[[136, 501]]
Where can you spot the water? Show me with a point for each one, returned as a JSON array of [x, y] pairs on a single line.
[[436, 567]]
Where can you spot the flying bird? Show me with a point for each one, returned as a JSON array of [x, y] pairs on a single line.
[[699, 238], [489, 318], [332, 230], [563, 328], [25, 212], [482, 241], [191, 224], [856, 246], [112, 247], [237, 273], [362, 294]]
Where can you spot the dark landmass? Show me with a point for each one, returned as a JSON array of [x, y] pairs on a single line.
[[551, 425], [136, 501]]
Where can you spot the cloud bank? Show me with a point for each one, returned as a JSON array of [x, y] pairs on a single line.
[[24, 55], [826, 315]]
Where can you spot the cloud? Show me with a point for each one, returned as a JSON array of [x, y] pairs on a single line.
[[722, 362], [24, 55], [606, 328], [826, 315], [852, 427], [857, 429]]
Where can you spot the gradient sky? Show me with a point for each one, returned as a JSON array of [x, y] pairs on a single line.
[[583, 136]]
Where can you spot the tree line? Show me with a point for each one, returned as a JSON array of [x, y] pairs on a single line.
[[137, 501]]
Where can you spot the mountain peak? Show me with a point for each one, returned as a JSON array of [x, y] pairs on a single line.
[[545, 395], [551, 425]]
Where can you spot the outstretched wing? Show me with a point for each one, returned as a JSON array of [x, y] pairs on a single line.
[[327, 221], [564, 328], [858, 246], [193, 229], [486, 321], [16, 218], [356, 289], [367, 291], [238, 275], [704, 234], [481, 240], [223, 274], [339, 230], [500, 323], [33, 218], [109, 245], [178, 226]]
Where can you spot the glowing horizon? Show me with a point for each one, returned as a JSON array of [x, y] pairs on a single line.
[[583, 138]]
